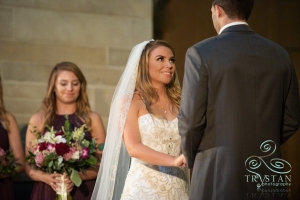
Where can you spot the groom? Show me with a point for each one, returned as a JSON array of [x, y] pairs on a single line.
[[239, 104]]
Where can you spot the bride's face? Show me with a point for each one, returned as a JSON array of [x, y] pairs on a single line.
[[161, 66]]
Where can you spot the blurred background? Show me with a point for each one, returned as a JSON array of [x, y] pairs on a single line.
[[98, 35]]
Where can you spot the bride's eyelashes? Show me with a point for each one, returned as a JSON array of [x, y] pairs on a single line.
[[161, 58]]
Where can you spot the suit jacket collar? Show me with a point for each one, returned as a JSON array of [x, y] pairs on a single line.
[[237, 28]]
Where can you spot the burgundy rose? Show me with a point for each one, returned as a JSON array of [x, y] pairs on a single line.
[[61, 148], [2, 152], [59, 133], [43, 146]]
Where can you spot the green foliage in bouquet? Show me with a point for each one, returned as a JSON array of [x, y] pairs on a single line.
[[65, 151], [7, 162]]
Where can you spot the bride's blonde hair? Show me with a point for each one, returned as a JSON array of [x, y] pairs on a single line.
[[144, 87]]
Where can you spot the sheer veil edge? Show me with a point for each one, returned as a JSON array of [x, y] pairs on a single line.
[[115, 160]]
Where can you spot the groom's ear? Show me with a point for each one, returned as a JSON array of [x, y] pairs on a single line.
[[219, 11]]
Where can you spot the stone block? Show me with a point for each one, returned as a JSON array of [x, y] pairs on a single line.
[[103, 98], [72, 29], [23, 120], [102, 76], [135, 8], [24, 90], [5, 29], [51, 53], [5, 15], [141, 30], [118, 57], [24, 71], [22, 106]]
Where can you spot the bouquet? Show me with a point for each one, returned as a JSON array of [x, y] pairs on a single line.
[[8, 165], [65, 151]]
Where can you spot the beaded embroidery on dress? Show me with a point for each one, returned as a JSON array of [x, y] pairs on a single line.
[[152, 182]]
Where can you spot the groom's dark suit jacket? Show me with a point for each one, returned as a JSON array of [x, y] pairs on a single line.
[[239, 90]]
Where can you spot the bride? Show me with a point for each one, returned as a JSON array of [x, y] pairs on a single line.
[[142, 157]]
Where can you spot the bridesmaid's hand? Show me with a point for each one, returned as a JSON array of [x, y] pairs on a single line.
[[69, 184], [53, 180]]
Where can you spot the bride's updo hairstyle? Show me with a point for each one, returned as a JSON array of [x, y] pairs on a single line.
[[82, 103], [144, 86]]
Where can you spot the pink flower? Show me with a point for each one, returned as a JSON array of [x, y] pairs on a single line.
[[35, 149], [2, 152], [85, 152], [39, 159], [68, 156], [50, 147]]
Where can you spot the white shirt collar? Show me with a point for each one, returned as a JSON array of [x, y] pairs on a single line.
[[232, 24]]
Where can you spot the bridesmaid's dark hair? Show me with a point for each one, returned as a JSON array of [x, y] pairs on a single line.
[[82, 103]]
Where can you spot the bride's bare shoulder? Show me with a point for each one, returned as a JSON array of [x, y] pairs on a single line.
[[138, 101]]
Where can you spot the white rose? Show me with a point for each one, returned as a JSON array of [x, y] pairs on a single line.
[[75, 156]]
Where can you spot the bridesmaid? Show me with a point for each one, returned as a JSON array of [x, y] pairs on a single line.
[[9, 139], [66, 95]]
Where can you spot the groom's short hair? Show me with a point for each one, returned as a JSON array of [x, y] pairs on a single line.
[[240, 9]]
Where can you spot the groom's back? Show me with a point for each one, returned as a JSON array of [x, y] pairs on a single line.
[[249, 79]]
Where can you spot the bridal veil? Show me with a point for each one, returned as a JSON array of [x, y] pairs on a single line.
[[115, 159]]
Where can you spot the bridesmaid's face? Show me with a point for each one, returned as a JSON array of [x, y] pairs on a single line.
[[161, 66], [67, 87]]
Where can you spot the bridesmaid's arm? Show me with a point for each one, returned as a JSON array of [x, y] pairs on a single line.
[[15, 143], [33, 173], [98, 133]]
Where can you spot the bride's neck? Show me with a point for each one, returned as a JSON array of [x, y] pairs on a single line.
[[162, 92]]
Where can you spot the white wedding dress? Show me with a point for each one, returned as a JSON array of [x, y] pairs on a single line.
[[152, 182]]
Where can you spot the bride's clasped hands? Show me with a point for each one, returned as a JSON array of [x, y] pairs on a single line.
[[179, 161]]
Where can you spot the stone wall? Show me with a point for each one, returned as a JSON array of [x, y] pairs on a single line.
[[97, 35]]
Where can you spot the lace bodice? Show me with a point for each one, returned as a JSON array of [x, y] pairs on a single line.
[[152, 182], [160, 134]]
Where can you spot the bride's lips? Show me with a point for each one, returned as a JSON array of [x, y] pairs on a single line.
[[167, 73]]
